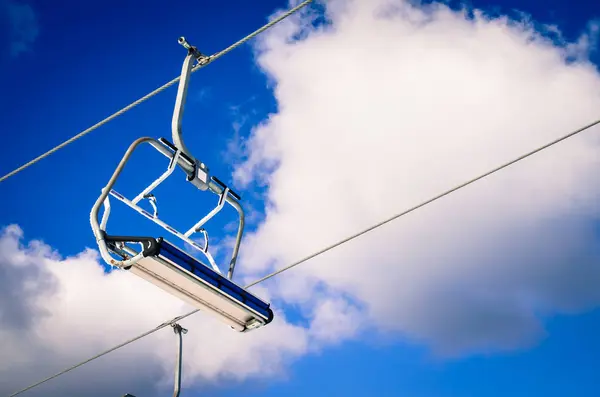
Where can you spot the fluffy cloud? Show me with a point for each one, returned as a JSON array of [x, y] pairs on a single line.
[[388, 104], [57, 311]]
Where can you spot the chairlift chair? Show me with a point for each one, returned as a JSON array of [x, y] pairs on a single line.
[[162, 263]]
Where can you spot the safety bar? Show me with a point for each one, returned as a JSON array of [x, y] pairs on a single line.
[[99, 231], [216, 186]]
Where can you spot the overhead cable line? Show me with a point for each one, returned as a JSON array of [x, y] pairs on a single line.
[[210, 59], [285, 268]]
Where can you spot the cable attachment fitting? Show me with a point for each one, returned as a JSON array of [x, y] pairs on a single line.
[[152, 200], [200, 57], [178, 329]]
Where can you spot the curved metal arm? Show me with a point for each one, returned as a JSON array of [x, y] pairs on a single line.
[[186, 71], [98, 231], [184, 81], [179, 330], [179, 103]]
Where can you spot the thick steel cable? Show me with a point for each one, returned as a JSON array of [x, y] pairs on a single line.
[[283, 269], [156, 91]]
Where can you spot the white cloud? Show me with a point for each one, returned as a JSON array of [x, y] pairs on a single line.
[[335, 319], [390, 104], [64, 310]]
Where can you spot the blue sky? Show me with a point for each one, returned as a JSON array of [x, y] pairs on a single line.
[[65, 67]]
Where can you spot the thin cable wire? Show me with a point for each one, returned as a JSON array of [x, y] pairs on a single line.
[[156, 91], [283, 269], [158, 328], [424, 203]]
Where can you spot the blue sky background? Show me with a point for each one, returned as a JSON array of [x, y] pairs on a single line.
[[89, 59]]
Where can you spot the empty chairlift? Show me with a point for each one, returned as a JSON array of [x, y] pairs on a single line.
[[162, 263]]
